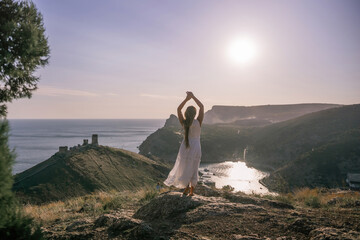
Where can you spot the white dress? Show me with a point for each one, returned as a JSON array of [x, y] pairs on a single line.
[[187, 163]]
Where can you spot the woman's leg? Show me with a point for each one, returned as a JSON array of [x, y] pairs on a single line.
[[186, 190], [193, 182], [191, 191]]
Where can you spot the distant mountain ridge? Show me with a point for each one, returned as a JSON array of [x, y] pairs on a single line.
[[86, 170], [265, 113]]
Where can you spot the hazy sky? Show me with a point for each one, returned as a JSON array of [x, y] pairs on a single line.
[[136, 59]]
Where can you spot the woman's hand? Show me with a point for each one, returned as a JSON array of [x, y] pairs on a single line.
[[189, 95]]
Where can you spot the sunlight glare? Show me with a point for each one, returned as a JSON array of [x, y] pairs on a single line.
[[242, 50]]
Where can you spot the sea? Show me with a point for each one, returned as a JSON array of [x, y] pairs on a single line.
[[36, 140]]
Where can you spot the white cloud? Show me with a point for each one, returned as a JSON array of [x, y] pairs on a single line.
[[52, 91], [112, 94], [159, 96]]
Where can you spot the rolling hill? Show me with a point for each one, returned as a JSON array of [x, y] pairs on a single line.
[[323, 166], [278, 144], [85, 170]]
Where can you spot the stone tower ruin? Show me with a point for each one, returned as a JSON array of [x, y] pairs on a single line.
[[94, 139], [63, 149]]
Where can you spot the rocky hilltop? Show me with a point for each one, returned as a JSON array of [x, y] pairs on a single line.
[[85, 170], [212, 214], [261, 115]]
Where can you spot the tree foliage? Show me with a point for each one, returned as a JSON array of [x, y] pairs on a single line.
[[23, 48], [13, 223]]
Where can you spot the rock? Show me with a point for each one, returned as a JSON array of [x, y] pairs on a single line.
[[241, 237], [77, 236], [220, 209], [142, 231], [209, 183], [277, 204], [333, 233], [294, 213], [351, 204], [332, 201], [204, 190], [172, 121], [77, 226], [242, 198], [123, 224], [105, 220], [301, 225], [246, 199], [168, 206]]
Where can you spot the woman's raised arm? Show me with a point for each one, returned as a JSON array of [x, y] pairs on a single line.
[[180, 107], [200, 117]]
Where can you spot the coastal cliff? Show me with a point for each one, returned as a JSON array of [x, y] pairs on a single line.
[[218, 142], [280, 148]]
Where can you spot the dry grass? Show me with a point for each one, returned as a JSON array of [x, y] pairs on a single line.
[[89, 205], [319, 198], [103, 202]]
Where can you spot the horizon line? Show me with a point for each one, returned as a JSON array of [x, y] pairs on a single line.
[[86, 118]]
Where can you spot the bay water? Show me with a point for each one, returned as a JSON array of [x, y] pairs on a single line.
[[36, 140]]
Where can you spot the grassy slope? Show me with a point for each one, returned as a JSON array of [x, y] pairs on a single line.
[[278, 144], [87, 170], [325, 166]]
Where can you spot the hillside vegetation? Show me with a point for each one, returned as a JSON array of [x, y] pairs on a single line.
[[324, 166], [86, 170], [278, 144]]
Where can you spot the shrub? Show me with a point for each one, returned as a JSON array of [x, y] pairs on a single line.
[[285, 198], [113, 203], [309, 197], [148, 195], [228, 188], [313, 201]]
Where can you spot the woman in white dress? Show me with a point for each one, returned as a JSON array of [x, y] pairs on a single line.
[[185, 171]]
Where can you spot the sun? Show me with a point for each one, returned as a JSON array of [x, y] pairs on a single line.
[[242, 50]]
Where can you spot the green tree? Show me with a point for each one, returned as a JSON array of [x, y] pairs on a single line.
[[13, 223], [23, 49]]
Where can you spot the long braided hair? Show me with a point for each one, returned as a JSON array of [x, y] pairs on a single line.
[[189, 118]]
